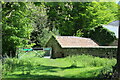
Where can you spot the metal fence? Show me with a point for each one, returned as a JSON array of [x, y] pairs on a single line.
[[33, 52]]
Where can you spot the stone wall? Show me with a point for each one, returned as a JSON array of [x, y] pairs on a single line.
[[102, 51], [56, 49]]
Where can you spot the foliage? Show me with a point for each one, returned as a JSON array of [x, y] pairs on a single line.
[[71, 16], [79, 33], [41, 27], [88, 60], [46, 35], [29, 24], [101, 35], [86, 66], [11, 64], [59, 14], [17, 26]]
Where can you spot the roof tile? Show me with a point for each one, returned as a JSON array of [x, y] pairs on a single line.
[[72, 41]]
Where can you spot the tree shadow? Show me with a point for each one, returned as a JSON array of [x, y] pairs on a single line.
[[32, 77], [47, 77], [89, 75], [43, 68], [35, 76], [71, 67]]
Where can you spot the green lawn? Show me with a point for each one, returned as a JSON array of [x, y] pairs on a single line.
[[82, 66]]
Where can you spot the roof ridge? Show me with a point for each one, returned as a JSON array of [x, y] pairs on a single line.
[[72, 37], [75, 41]]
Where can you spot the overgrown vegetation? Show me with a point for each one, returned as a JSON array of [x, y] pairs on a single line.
[[104, 36], [16, 25], [82, 66], [29, 24], [69, 17]]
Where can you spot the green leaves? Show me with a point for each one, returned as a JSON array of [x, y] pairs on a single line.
[[70, 16], [102, 36], [67, 18], [16, 26]]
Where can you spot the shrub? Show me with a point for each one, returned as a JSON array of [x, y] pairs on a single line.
[[88, 60], [101, 35], [9, 65]]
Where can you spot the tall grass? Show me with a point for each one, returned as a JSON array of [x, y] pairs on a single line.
[[27, 65], [91, 61], [88, 60]]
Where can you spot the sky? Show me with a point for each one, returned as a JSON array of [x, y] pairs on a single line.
[[117, 1], [113, 29]]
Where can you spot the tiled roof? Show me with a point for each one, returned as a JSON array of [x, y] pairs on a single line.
[[72, 41]]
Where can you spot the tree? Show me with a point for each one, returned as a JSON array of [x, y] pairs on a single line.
[[71, 16], [40, 22], [42, 28], [95, 14], [118, 55], [118, 52], [102, 36], [17, 26], [59, 15]]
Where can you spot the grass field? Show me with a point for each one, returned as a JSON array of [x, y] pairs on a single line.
[[82, 66]]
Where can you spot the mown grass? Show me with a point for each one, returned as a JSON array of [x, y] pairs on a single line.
[[82, 66]]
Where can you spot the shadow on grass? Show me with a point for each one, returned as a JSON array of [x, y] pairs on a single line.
[[43, 68], [87, 75], [46, 77], [71, 67]]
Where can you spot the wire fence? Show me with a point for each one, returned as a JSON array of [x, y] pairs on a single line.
[[23, 53]]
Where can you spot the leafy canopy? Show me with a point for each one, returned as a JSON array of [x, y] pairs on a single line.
[[17, 26]]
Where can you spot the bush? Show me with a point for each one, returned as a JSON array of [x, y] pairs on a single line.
[[88, 60], [101, 35], [104, 64], [9, 65]]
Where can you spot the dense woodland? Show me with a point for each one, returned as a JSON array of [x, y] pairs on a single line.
[[30, 24]]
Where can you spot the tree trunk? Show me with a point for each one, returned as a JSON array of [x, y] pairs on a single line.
[[118, 55], [116, 68]]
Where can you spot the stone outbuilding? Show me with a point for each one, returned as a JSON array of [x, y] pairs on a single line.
[[63, 46]]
